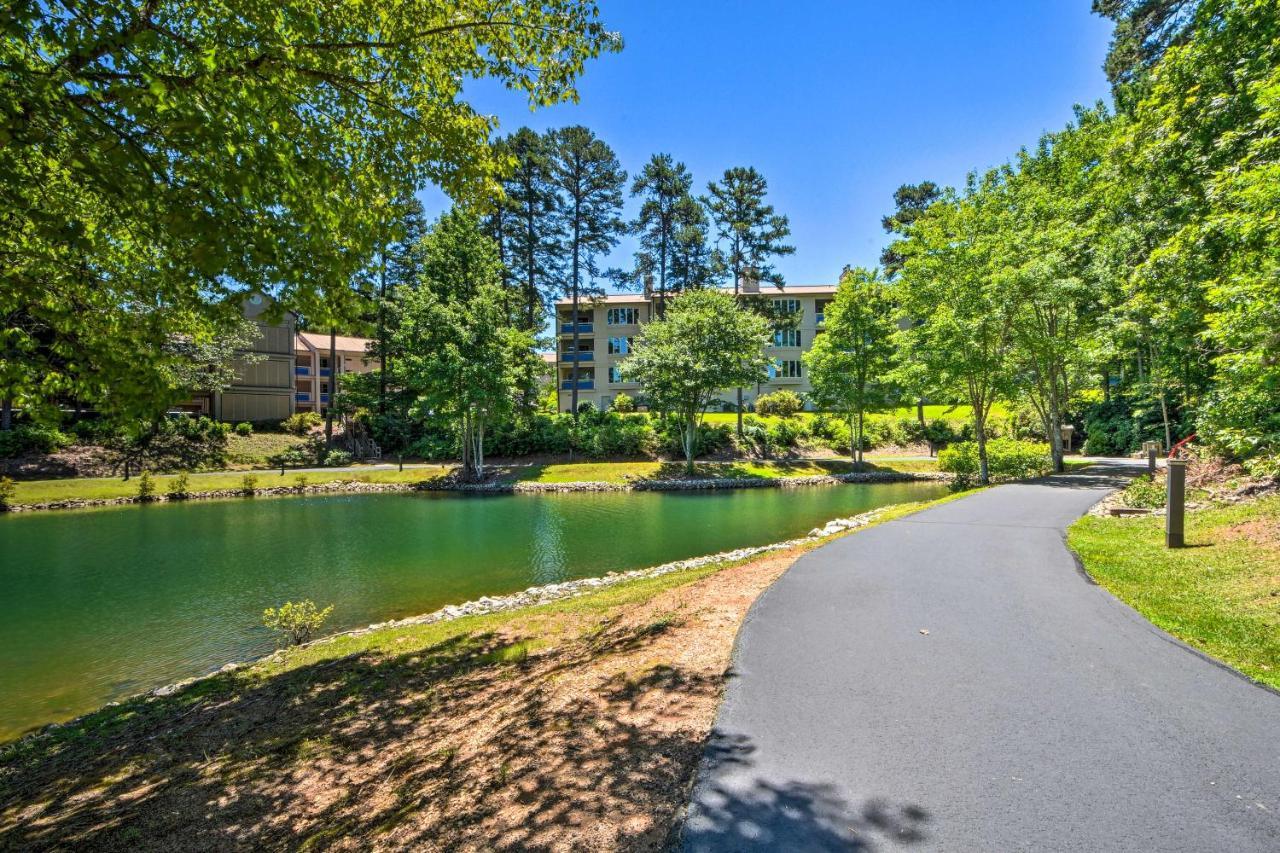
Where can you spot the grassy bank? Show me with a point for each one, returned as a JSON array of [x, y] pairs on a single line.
[[644, 469], [572, 725], [98, 488], [1221, 594]]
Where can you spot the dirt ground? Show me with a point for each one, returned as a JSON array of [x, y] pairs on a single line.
[[504, 740]]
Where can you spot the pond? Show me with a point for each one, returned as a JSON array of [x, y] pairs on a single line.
[[100, 604]]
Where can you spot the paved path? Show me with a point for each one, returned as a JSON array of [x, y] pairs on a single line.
[[1037, 713]]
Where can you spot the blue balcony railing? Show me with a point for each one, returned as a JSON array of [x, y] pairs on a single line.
[[577, 356], [303, 398], [301, 370], [820, 318], [583, 385], [582, 328], [324, 371], [324, 398]]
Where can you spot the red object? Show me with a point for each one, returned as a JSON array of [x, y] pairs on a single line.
[[1173, 451]]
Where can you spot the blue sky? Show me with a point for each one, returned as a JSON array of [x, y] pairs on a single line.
[[836, 103]]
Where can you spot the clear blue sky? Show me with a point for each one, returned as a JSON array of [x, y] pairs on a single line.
[[836, 103]]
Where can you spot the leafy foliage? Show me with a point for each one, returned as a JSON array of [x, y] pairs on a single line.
[[782, 403], [704, 342], [296, 623], [133, 133], [1008, 459]]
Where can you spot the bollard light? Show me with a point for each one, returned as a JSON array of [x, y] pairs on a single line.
[[1175, 503]]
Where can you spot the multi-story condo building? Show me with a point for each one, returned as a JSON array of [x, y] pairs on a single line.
[[607, 328], [315, 373]]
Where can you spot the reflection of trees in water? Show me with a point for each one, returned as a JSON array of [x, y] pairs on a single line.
[[547, 559]]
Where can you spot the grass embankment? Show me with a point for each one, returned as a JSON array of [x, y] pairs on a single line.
[[572, 725], [254, 451], [630, 471], [1221, 594], [99, 488]]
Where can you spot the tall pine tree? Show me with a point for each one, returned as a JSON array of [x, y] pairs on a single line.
[[588, 181], [662, 184], [751, 234]]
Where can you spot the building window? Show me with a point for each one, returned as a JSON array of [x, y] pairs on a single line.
[[619, 346], [615, 374], [622, 316], [786, 338], [786, 306], [784, 369], [324, 362]]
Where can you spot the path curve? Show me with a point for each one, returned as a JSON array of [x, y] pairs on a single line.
[[1037, 712]]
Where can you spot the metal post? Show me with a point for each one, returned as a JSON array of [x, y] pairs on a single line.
[[1175, 503], [1151, 458]]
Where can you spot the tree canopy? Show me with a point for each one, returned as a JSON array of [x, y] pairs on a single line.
[[160, 159]]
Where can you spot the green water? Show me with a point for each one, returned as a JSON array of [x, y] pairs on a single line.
[[100, 604]]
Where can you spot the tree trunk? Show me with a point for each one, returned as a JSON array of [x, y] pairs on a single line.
[[924, 426], [980, 432], [853, 446], [1055, 435], [573, 372], [333, 387], [860, 442], [1168, 433], [6, 414], [737, 282], [690, 441], [382, 334]]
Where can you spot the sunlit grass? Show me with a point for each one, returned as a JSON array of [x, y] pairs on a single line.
[[100, 488], [1221, 595]]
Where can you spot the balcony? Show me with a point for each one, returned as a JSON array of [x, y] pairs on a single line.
[[820, 319], [324, 398], [301, 370], [302, 398], [580, 328], [324, 371], [585, 355], [583, 385]]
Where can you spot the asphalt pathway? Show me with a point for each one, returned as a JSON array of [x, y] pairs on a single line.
[[953, 681]]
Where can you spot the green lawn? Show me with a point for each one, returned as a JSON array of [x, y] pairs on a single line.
[[96, 488], [621, 472], [253, 451], [1222, 595]]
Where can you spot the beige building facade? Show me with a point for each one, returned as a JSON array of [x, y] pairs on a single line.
[[315, 371], [608, 327]]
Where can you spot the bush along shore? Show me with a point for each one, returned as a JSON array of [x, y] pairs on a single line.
[[536, 595], [453, 484]]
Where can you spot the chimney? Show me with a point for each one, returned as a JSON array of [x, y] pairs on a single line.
[[750, 284]]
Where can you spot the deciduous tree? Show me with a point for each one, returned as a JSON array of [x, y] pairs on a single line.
[[704, 342]]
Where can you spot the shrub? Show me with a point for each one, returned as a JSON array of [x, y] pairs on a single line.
[[618, 435], [244, 428], [757, 435], [1143, 493], [146, 486], [300, 482], [294, 457], [180, 486], [823, 427], [31, 438], [7, 490], [295, 623], [1007, 459], [337, 459], [784, 404], [624, 404], [301, 423], [248, 485], [786, 433], [586, 407], [712, 438]]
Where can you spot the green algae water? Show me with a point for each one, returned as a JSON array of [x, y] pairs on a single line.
[[96, 605]]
